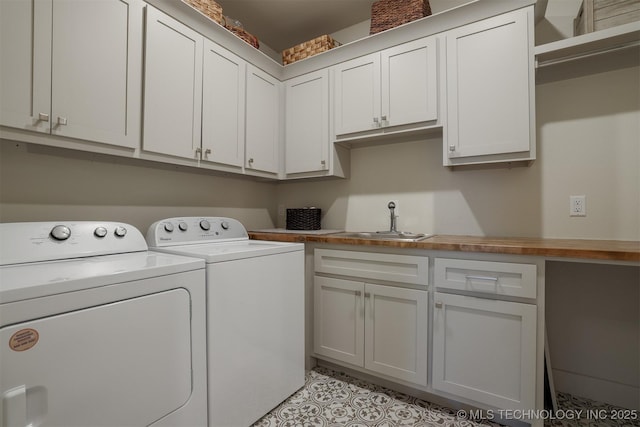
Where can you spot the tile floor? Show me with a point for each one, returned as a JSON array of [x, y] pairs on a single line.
[[333, 399]]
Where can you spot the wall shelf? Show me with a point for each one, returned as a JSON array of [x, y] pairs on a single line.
[[604, 41]]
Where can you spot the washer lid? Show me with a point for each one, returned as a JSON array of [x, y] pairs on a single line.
[[25, 281], [228, 251]]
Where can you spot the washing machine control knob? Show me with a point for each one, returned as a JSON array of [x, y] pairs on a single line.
[[204, 224], [168, 227], [120, 231], [60, 232], [182, 226], [100, 232], [224, 225]]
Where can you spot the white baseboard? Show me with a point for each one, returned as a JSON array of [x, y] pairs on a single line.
[[597, 389]]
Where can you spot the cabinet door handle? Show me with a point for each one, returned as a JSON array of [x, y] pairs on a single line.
[[438, 304], [376, 122], [207, 151], [358, 293], [198, 151], [250, 162], [383, 120], [489, 278], [323, 163], [62, 121], [44, 117], [367, 294]]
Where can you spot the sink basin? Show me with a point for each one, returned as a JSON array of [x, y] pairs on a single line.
[[401, 236]]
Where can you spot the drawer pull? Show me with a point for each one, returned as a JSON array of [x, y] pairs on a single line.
[[489, 278]]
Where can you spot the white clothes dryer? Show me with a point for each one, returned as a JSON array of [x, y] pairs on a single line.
[[255, 314], [96, 330]]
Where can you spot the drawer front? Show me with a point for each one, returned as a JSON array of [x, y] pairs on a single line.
[[498, 278], [366, 265]]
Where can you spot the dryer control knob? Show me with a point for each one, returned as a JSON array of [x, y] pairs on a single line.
[[120, 231], [100, 232], [168, 227], [225, 225], [60, 232], [182, 226], [204, 224]]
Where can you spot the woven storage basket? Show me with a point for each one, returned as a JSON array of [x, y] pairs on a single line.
[[303, 219], [308, 48], [387, 14], [244, 35], [209, 7]]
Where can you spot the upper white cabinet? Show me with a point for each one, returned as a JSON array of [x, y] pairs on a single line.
[[262, 122], [490, 91], [72, 68], [173, 87], [309, 151], [223, 105], [307, 123], [395, 87]]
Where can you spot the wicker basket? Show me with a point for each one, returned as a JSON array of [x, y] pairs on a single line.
[[208, 7], [244, 35], [387, 14], [308, 48], [303, 219]]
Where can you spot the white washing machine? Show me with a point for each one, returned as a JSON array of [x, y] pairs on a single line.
[[98, 331], [255, 314]]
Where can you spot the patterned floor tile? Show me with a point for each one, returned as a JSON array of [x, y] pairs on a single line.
[[334, 399]]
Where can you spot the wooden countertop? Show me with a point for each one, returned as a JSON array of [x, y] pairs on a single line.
[[609, 250]]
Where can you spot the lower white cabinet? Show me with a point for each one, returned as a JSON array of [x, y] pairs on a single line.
[[485, 350], [380, 328]]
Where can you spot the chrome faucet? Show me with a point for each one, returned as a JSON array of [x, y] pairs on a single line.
[[392, 209]]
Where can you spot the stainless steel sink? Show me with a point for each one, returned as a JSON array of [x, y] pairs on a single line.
[[401, 236]]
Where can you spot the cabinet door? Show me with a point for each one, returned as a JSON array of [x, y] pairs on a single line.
[[489, 87], [263, 121], [25, 68], [357, 94], [223, 91], [96, 70], [339, 319], [410, 83], [173, 87], [396, 332], [485, 350], [307, 123]]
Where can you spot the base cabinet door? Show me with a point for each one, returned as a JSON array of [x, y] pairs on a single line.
[[485, 350], [339, 319], [396, 332], [376, 327]]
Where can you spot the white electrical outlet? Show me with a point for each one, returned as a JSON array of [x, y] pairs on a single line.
[[577, 206]]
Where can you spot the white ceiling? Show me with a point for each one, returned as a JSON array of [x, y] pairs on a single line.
[[281, 24]]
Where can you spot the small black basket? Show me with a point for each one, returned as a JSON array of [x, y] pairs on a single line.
[[303, 219]]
